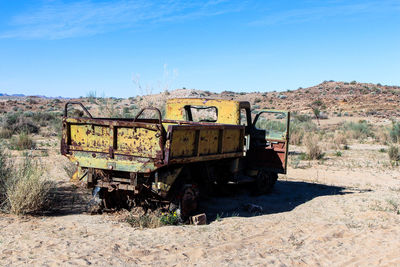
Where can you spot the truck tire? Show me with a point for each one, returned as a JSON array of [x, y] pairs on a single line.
[[265, 181]]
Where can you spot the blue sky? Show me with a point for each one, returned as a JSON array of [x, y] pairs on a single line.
[[124, 48]]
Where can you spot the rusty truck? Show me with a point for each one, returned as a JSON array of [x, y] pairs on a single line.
[[199, 145]]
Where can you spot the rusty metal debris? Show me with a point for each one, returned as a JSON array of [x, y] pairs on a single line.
[[199, 219]]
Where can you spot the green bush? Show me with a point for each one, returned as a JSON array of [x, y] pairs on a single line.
[[359, 130], [30, 122], [169, 218]]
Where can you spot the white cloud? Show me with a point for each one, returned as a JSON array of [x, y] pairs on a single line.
[[333, 8], [58, 20]]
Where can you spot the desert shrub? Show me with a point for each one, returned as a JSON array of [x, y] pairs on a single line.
[[311, 141], [395, 132], [340, 139], [5, 175], [382, 135], [301, 117], [5, 133], [25, 190], [296, 137], [359, 130], [11, 118], [393, 153], [299, 125], [25, 125], [257, 100], [143, 221], [21, 142], [17, 123]]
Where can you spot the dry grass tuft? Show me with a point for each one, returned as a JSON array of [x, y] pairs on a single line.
[[5, 133], [340, 139], [296, 138], [311, 141], [21, 142], [143, 221], [25, 190], [393, 153]]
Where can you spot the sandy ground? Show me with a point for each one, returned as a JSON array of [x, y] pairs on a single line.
[[332, 213]]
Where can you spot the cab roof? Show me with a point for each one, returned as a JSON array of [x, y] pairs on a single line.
[[208, 101]]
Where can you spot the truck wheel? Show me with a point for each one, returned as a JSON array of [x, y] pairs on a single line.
[[265, 181]]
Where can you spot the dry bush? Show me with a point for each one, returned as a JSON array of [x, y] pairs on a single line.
[[393, 153], [21, 142], [395, 132], [296, 138], [382, 136], [340, 139], [358, 130], [5, 133], [25, 189], [311, 141], [144, 221], [5, 175]]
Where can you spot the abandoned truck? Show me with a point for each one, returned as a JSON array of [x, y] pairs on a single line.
[[199, 145]]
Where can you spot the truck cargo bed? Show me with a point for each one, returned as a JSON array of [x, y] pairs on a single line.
[[143, 146]]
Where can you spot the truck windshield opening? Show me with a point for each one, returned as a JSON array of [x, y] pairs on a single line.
[[201, 113]]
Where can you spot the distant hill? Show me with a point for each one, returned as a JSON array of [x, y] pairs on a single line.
[[330, 97]]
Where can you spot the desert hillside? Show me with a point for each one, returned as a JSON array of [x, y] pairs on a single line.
[[335, 99]]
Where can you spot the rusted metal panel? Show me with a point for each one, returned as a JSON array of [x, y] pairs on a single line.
[[142, 142], [208, 142], [200, 142], [231, 140], [182, 143], [119, 163], [139, 140], [90, 137], [205, 158]]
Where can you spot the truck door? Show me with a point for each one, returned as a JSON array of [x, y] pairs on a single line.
[[269, 136]]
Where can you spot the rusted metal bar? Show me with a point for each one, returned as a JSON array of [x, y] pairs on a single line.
[[76, 103], [149, 108]]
